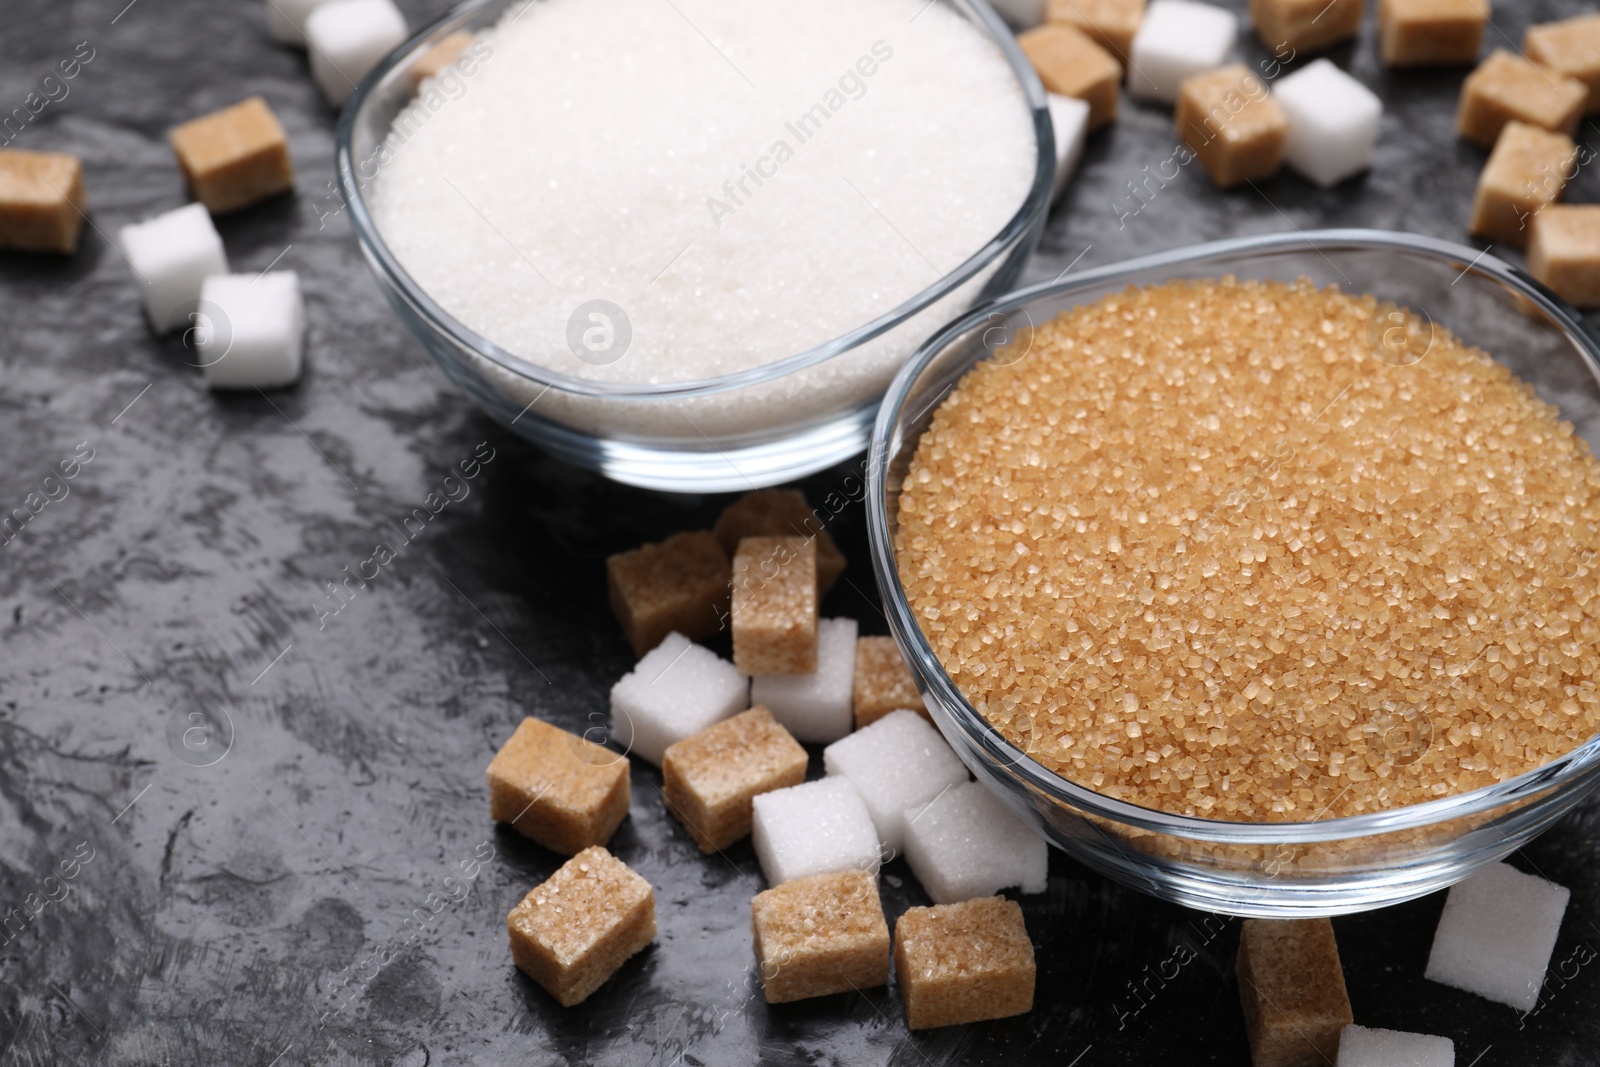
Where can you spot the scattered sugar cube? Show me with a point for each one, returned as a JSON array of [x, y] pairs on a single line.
[[1176, 39], [815, 707], [967, 844], [710, 780], [1360, 1046], [1020, 14], [347, 38], [440, 56], [249, 330], [780, 513], [1291, 986], [1333, 123], [1070, 64], [1506, 88], [1110, 24], [775, 605], [1570, 47], [286, 20], [1295, 27], [678, 584], [1527, 170], [882, 682], [815, 828], [42, 201], [234, 157], [557, 788], [172, 255], [1564, 252], [963, 963], [1070, 118], [573, 932], [898, 763], [678, 689], [1430, 33], [1237, 131], [819, 935], [1496, 935]]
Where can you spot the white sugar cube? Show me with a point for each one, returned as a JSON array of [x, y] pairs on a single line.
[[1020, 14], [1360, 1046], [248, 330], [897, 762], [172, 255], [1496, 935], [1177, 38], [347, 38], [678, 689], [286, 19], [818, 706], [814, 828], [1070, 117], [968, 844], [1333, 122]]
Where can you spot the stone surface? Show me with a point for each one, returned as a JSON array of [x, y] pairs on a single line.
[[259, 906]]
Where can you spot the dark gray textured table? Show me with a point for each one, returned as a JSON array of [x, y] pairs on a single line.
[[289, 902]]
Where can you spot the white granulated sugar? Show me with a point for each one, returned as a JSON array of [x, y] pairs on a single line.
[[653, 155]]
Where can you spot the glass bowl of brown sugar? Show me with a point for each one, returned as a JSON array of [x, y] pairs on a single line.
[[1264, 575]]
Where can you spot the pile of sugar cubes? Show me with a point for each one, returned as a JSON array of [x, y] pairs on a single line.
[[1525, 109], [728, 737], [1319, 120], [245, 329], [1495, 938]]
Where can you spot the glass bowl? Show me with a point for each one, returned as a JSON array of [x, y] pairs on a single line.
[[1283, 869], [684, 436]]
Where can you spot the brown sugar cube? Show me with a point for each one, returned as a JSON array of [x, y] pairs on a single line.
[[440, 56], [775, 605], [1507, 87], [1305, 25], [1430, 33], [780, 513], [821, 934], [963, 963], [573, 932], [678, 584], [883, 682], [1071, 64], [41, 201], [1528, 169], [1236, 129], [234, 157], [1570, 47], [710, 779], [563, 791], [1110, 24], [1292, 988], [1564, 252]]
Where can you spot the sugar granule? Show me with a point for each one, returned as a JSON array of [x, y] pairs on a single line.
[[1202, 549]]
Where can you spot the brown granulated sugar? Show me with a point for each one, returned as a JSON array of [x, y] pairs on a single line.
[[1201, 549]]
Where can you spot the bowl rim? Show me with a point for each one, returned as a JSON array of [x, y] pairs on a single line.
[[1008, 759], [1028, 218]]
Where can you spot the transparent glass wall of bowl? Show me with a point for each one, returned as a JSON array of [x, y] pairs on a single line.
[[1264, 869], [690, 437]]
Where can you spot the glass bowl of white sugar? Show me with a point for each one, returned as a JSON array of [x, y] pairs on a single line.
[[687, 243]]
